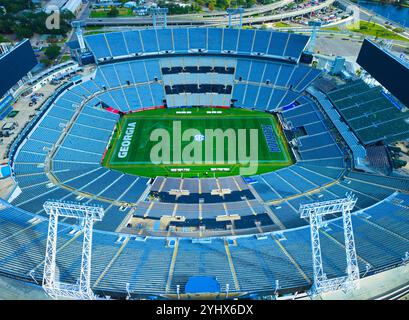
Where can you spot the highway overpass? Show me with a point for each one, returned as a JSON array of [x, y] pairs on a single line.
[[249, 17]]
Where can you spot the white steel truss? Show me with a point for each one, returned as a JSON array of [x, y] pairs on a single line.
[[315, 25], [77, 25], [86, 215], [157, 11], [235, 11], [315, 212]]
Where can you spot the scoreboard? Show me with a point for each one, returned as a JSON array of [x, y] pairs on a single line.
[[15, 64], [390, 71]]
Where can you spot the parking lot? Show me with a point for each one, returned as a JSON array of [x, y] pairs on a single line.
[[26, 108]]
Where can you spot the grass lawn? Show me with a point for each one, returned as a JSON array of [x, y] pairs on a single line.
[[134, 131], [376, 30], [103, 13], [333, 28], [65, 58], [281, 24], [88, 33], [92, 28], [3, 39]]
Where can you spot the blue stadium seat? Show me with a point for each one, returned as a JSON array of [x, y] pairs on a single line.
[[149, 40], [116, 43], [230, 38], [214, 40], [133, 41], [246, 39], [165, 40]]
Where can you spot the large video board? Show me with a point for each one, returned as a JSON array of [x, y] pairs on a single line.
[[387, 69], [14, 65]]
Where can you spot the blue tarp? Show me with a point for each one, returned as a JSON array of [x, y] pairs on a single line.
[[5, 171], [202, 284], [290, 106], [249, 180]]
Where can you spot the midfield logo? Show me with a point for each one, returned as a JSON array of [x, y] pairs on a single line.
[[214, 143]]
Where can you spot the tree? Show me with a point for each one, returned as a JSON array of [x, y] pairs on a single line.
[[25, 24], [250, 3], [52, 51], [114, 12], [23, 31], [14, 6], [7, 23], [223, 4]]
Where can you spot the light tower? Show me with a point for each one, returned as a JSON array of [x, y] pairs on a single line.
[[77, 25], [155, 11], [315, 212], [315, 25], [86, 215], [235, 11]]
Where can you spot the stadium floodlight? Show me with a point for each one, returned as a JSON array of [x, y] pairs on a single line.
[[128, 291], [367, 269], [315, 212], [277, 287], [31, 274], [315, 25], [235, 11], [405, 259], [77, 25], [155, 11], [86, 215]]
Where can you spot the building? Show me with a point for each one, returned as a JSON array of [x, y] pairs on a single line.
[[71, 5]]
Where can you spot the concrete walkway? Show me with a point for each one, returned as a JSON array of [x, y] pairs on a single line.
[[11, 289]]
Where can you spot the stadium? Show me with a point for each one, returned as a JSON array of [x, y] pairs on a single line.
[[323, 209]]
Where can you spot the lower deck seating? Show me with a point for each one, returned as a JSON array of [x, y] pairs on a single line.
[[280, 258]]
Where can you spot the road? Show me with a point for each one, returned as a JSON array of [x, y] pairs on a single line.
[[219, 19], [251, 16]]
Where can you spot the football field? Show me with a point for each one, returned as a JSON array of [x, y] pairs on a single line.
[[197, 142]]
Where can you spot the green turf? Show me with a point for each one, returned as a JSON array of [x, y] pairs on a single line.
[[138, 158], [103, 13], [376, 30]]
